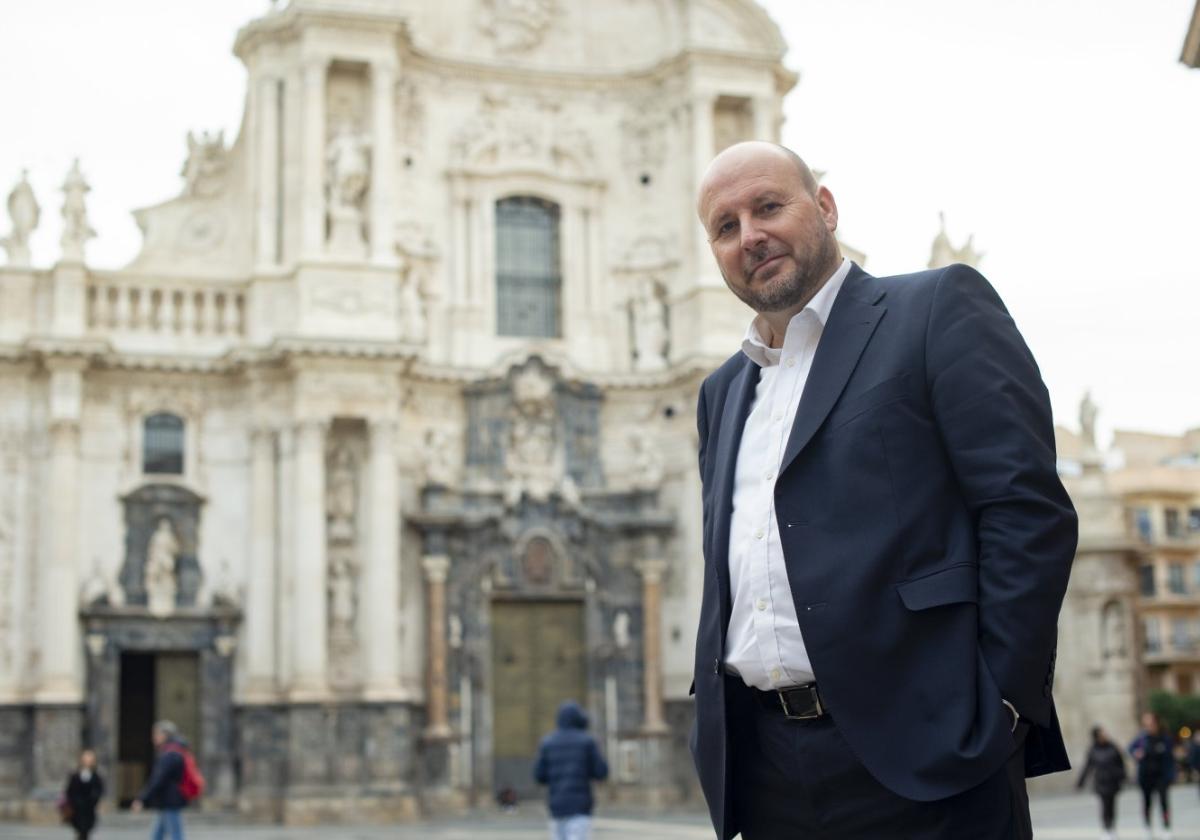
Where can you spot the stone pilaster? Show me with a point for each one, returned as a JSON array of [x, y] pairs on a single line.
[[58, 581], [381, 590], [437, 723], [383, 163], [310, 656], [267, 249], [652, 573], [261, 595], [312, 218]]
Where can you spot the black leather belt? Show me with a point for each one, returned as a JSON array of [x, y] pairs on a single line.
[[802, 702]]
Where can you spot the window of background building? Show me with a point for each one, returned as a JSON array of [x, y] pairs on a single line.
[[1143, 524], [1181, 634], [1194, 520], [1196, 575], [1147, 576], [1153, 634], [528, 268], [1176, 582], [1174, 523], [162, 444], [1183, 683]]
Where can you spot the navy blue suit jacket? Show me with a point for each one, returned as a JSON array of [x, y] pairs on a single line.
[[926, 535]]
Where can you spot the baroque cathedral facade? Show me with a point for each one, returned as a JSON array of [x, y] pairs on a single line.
[[384, 444]]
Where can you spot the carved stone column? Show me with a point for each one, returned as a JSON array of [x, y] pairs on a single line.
[[310, 658], [381, 590], [437, 568], [383, 163], [260, 588], [312, 219], [58, 573], [652, 572]]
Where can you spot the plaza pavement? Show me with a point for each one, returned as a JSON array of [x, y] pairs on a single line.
[[1054, 818]]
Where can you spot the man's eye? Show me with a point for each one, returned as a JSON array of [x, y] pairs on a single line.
[[725, 228], [770, 207]]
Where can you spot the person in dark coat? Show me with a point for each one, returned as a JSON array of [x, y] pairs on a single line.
[[161, 791], [1154, 751], [1106, 766], [85, 789], [568, 760]]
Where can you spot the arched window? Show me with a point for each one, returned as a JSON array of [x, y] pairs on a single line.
[[528, 269], [162, 444]]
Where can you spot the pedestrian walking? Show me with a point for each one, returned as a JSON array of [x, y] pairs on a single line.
[[1106, 766], [174, 781], [1193, 756], [1153, 749], [567, 762], [81, 798]]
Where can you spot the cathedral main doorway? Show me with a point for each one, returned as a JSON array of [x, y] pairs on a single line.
[[153, 686], [538, 661]]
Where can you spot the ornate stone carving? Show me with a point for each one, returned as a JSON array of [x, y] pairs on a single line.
[[207, 161], [410, 111], [644, 136], [76, 230], [417, 257], [648, 314], [517, 24], [647, 473], [507, 132], [535, 464], [24, 212], [438, 463], [348, 174], [1114, 629], [620, 630], [943, 253], [161, 553]]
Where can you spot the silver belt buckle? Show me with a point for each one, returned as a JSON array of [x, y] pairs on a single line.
[[818, 711]]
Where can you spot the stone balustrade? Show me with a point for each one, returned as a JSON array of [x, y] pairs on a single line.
[[165, 309]]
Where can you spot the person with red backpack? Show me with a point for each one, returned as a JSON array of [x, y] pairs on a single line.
[[174, 782]]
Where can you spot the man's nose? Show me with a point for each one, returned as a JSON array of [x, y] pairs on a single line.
[[752, 236]]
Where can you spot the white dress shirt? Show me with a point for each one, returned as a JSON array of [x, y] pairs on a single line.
[[764, 644]]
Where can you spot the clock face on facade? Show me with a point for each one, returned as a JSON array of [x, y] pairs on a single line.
[[202, 230]]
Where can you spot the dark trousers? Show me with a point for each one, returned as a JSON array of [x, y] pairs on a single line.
[[1108, 809], [799, 780], [1164, 802]]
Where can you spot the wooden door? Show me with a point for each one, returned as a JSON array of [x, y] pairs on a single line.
[[177, 694], [538, 661]]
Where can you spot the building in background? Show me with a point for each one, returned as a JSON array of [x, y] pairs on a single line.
[[384, 444], [1191, 42]]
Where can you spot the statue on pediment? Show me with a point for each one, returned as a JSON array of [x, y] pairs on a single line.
[[204, 170], [24, 212], [76, 229]]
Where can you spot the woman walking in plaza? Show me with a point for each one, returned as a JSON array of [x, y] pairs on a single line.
[[81, 799], [1154, 751], [1106, 766]]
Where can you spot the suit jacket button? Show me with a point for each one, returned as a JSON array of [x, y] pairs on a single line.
[[716, 666]]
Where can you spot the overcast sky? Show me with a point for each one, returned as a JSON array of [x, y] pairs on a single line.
[[1064, 134]]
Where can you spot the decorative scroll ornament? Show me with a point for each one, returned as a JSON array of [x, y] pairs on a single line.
[[517, 24]]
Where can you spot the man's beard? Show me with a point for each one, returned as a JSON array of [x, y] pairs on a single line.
[[811, 271]]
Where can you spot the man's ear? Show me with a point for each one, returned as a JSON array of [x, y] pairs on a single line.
[[829, 211]]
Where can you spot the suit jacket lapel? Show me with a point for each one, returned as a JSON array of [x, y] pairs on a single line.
[[733, 421], [852, 321]]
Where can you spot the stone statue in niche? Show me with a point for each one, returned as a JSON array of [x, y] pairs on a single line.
[[24, 212], [161, 584], [204, 169], [76, 230], [535, 461], [341, 597], [647, 460], [1113, 630], [620, 630], [649, 315], [438, 462], [348, 169], [341, 495], [456, 631]]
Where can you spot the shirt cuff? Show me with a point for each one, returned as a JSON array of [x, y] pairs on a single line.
[[1016, 716]]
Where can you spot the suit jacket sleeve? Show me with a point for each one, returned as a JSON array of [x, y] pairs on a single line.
[[993, 414]]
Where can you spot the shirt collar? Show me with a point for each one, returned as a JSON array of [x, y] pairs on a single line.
[[764, 355]]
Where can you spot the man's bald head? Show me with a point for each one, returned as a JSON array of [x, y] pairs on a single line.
[[751, 150]]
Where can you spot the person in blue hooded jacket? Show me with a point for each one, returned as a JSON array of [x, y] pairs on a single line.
[[567, 762]]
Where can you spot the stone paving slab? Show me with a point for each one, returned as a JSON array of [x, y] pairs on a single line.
[[1054, 818]]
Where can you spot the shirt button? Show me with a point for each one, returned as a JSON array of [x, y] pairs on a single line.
[[775, 675], [777, 418], [768, 475], [791, 362], [761, 604], [758, 535]]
